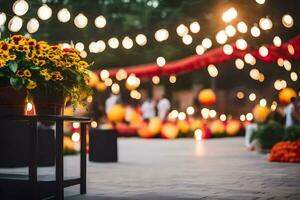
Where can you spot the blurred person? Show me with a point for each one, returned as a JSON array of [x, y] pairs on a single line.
[[296, 113], [288, 112], [163, 108], [148, 109]]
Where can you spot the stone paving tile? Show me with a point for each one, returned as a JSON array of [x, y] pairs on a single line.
[[218, 169]]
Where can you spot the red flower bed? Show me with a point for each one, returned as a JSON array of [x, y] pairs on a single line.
[[286, 152]]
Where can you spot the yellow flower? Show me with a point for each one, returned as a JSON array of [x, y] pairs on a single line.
[[20, 73], [27, 73], [44, 72], [2, 63], [12, 57], [57, 76], [31, 84]]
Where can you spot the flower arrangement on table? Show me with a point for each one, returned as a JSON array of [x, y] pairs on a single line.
[[43, 70]]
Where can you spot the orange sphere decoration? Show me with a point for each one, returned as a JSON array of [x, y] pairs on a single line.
[[207, 97], [169, 131], [196, 124], [155, 125], [144, 131], [233, 127], [260, 113], [183, 126], [285, 95], [217, 127], [116, 113]]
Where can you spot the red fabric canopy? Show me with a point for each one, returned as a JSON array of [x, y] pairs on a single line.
[[215, 56]]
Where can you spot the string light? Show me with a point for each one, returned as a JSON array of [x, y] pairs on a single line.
[[94, 124], [113, 43], [172, 79], [2, 18], [161, 35], [101, 44], [187, 39], [104, 74], [242, 118], [75, 137], [79, 46], [265, 23], [280, 62], [229, 15], [280, 84], [242, 27], [182, 30], [29, 107], [33, 25], [108, 82], [15, 24], [263, 51], [241, 44], [260, 1], [100, 21], [277, 41], [252, 97], [44, 12], [287, 65], [155, 80], [240, 95], [230, 30], [161, 61], [249, 59], [181, 116], [263, 102], [94, 47], [221, 37], [254, 74], [294, 76], [255, 31], [249, 116], [63, 15], [287, 21], [115, 88], [20, 7], [81, 21], [141, 39], [291, 49], [190, 110], [212, 70], [227, 49], [239, 63], [121, 74], [200, 49], [223, 117], [195, 27], [206, 43], [127, 43], [89, 99]]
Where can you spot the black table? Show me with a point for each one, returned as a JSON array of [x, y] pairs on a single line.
[[32, 183]]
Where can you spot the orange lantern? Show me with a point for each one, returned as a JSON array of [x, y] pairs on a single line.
[[196, 124], [207, 97], [155, 125], [285, 95], [260, 113], [116, 113], [93, 79], [169, 131], [144, 131], [183, 126], [233, 127], [100, 86], [217, 127]]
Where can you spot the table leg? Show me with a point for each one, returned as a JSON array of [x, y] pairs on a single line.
[[83, 159], [59, 165], [33, 153]]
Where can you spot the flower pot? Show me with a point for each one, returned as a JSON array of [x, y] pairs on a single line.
[[47, 103], [12, 102]]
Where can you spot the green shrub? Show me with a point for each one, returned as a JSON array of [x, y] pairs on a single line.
[[292, 133], [269, 134]]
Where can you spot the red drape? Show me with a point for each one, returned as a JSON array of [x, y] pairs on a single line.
[[215, 56]]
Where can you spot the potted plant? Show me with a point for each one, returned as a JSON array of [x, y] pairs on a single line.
[[49, 74], [267, 136]]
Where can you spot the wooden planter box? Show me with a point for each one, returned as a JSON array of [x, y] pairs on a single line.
[[103, 145]]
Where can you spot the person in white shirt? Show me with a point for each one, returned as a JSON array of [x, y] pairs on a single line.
[[288, 112], [163, 108], [110, 101], [148, 109]]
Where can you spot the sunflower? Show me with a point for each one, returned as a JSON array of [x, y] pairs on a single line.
[[31, 85]]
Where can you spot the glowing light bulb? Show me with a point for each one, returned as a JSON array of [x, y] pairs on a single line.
[[200, 49], [63, 15], [206, 43], [229, 15], [127, 43], [227, 49], [104, 74], [182, 30], [195, 27], [100, 21], [230, 30], [81, 21], [173, 79], [155, 80], [277, 41], [113, 43], [141, 39], [255, 31], [161, 35], [33, 25], [287, 21], [221, 37], [212, 70], [15, 24], [263, 51], [2, 18], [241, 44], [242, 27], [161, 61], [187, 39], [20, 7], [44, 12], [239, 63]]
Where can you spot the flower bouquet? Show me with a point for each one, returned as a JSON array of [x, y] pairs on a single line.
[[48, 74]]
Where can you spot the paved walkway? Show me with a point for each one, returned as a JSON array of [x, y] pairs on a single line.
[[185, 169]]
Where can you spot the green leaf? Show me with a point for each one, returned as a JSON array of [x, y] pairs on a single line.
[[13, 66], [34, 67], [16, 82], [2, 74]]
